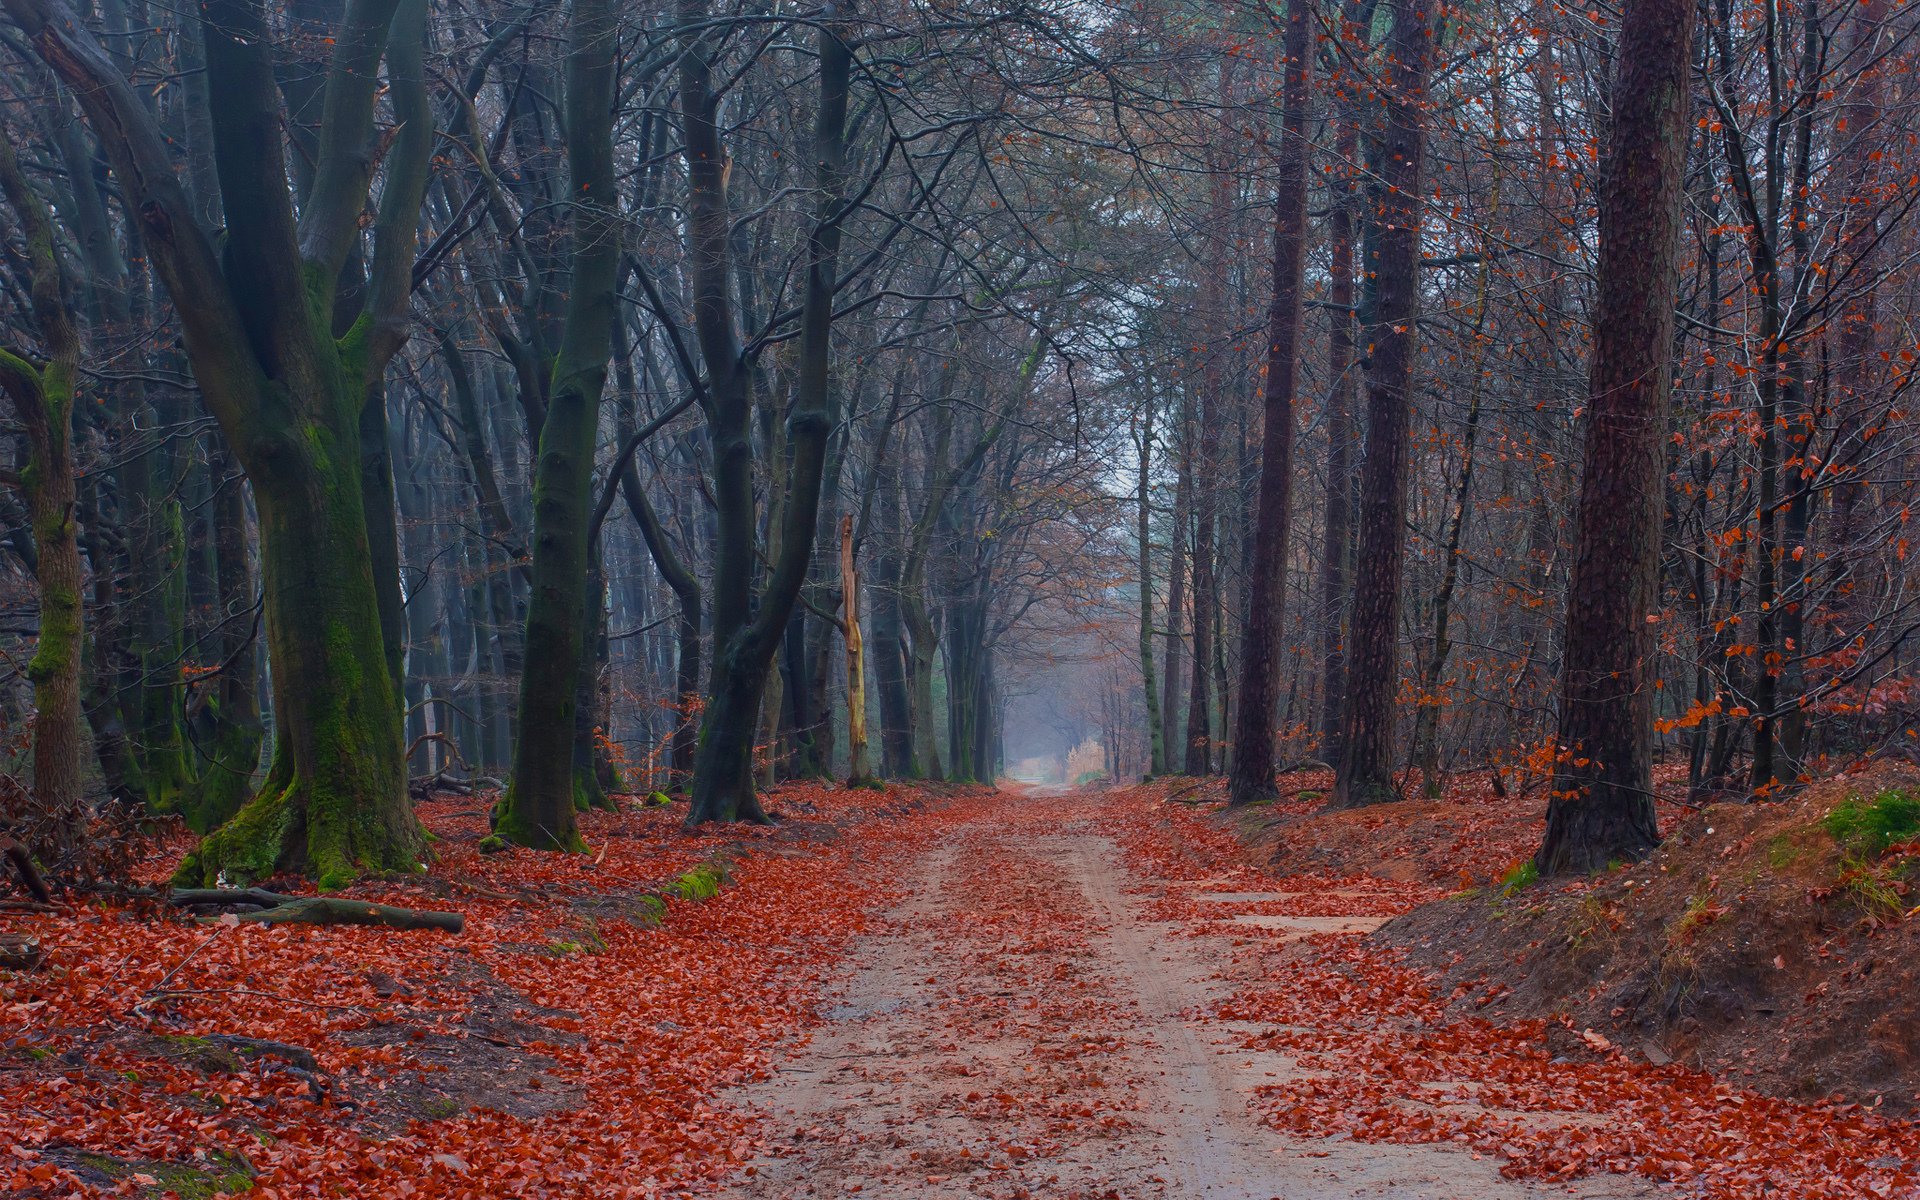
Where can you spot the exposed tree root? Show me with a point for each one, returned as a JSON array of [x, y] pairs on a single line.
[[23, 867]]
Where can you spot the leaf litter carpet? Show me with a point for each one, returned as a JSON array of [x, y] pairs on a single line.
[[1013, 994]]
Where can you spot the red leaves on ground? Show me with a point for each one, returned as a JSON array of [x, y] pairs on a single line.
[[1384, 1063], [640, 1027]]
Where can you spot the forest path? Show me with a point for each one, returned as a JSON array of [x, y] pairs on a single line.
[[1020, 1027]]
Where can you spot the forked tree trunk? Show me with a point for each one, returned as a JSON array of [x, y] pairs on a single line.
[[255, 318], [1253, 766], [1601, 807], [744, 642], [1365, 769]]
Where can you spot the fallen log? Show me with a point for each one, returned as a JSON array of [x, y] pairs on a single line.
[[273, 908]]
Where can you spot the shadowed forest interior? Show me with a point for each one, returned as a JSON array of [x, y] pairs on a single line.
[[1416, 449]]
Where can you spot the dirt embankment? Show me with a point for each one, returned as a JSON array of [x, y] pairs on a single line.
[[1768, 944]]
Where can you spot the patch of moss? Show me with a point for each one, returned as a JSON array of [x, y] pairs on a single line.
[[701, 883], [1866, 828], [221, 1175]]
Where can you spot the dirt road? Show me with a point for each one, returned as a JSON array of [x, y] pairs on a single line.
[[1020, 1026]]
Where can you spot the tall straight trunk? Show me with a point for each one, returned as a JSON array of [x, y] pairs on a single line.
[[1799, 418], [858, 768], [538, 807], [1149, 682], [1213, 412], [1199, 743], [138, 709], [1365, 771], [1778, 395], [592, 770], [1601, 807], [1253, 765], [377, 500], [43, 402], [1177, 589], [1542, 547], [1336, 571], [889, 646], [155, 696], [1860, 157], [744, 641]]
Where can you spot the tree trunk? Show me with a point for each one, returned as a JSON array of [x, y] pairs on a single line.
[[890, 670], [233, 753], [256, 322], [1177, 589], [1336, 578], [1365, 774], [1149, 682], [43, 402], [1601, 808], [858, 769], [1253, 765], [744, 642], [538, 807]]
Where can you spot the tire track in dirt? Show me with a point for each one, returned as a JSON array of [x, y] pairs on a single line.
[[1018, 1028]]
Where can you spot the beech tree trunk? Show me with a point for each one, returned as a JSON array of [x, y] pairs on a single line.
[[1601, 808], [1253, 765], [538, 807], [255, 317], [43, 400], [744, 642]]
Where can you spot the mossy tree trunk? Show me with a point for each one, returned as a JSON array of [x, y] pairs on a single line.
[[538, 808], [232, 714], [43, 398], [256, 318]]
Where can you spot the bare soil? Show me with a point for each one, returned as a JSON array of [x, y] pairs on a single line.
[[1744, 947], [1019, 1026]]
